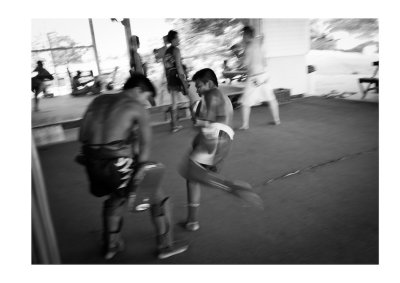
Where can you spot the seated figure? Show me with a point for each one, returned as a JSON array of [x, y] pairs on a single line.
[[85, 84]]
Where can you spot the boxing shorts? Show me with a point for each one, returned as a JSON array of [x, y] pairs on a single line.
[[108, 173]]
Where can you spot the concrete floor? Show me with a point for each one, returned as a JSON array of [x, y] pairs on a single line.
[[326, 214]]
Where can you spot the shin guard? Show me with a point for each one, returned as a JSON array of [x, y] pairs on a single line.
[[147, 181], [160, 214]]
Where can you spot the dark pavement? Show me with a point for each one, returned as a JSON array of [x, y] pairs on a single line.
[[326, 214]]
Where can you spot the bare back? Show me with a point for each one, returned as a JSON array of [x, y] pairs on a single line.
[[112, 121]]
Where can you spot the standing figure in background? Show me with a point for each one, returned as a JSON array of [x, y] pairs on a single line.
[[162, 85], [258, 88], [135, 59], [39, 82], [175, 74]]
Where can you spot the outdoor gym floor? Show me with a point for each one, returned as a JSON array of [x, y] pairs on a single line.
[[326, 213]]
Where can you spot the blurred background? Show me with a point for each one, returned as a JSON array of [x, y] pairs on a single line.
[[322, 217], [340, 50]]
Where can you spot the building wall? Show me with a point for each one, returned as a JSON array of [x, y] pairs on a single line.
[[289, 72], [286, 44]]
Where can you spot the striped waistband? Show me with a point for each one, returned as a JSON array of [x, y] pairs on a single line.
[[223, 127]]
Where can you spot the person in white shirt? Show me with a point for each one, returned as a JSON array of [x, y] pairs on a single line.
[[258, 88]]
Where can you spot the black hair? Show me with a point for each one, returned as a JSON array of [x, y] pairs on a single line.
[[39, 62], [133, 37], [140, 80], [249, 31], [171, 35], [206, 75]]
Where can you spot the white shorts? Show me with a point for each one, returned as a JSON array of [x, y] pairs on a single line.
[[222, 135], [257, 90]]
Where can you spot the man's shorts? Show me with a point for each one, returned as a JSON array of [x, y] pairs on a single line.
[[110, 175], [257, 90], [174, 83], [210, 149]]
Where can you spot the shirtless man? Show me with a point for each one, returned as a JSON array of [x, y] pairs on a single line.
[[116, 136], [258, 87], [210, 146]]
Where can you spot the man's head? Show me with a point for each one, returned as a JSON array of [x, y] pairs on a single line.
[[135, 42], [39, 63], [205, 80], [248, 34], [173, 37], [141, 87]]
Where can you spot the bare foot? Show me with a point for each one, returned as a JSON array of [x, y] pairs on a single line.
[[275, 123]]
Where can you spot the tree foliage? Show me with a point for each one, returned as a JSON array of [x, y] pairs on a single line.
[[65, 57], [213, 26], [207, 42], [361, 27], [322, 29], [60, 57]]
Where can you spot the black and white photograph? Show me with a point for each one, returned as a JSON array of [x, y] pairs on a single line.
[[171, 141], [205, 141]]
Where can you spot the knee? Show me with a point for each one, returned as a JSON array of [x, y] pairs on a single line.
[[158, 196], [158, 209], [113, 203]]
